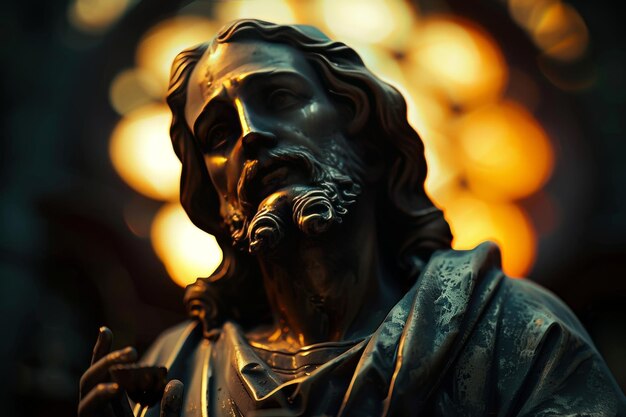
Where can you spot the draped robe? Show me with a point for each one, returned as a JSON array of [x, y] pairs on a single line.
[[465, 340]]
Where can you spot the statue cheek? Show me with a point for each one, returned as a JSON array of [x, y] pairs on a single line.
[[218, 167], [320, 120]]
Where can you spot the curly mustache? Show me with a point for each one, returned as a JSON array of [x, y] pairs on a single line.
[[313, 207]]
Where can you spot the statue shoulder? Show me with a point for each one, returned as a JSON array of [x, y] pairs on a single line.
[[526, 346], [535, 310], [522, 306]]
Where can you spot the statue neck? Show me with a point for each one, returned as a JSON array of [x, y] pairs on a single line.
[[331, 288]]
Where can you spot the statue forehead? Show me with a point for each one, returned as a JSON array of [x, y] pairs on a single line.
[[229, 64]]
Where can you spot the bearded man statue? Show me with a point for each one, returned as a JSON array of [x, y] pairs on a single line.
[[339, 294]]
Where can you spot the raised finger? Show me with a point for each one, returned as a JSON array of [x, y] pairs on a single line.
[[98, 372], [103, 344], [172, 401], [96, 399]]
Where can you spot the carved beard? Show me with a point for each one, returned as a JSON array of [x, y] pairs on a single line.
[[312, 206]]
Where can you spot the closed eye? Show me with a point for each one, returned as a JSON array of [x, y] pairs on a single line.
[[218, 136], [217, 126], [283, 99]]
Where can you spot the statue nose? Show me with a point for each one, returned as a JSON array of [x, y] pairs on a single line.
[[253, 135], [255, 139]]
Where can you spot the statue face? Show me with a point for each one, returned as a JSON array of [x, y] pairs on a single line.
[[267, 128]]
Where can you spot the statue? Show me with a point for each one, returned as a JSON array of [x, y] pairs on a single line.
[[339, 294]]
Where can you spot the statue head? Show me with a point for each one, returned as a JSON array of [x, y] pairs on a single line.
[[278, 129]]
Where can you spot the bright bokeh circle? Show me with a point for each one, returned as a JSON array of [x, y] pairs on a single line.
[[459, 59], [160, 45], [474, 221], [506, 151], [186, 251], [142, 153]]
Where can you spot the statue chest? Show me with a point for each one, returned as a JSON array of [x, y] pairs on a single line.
[[228, 377]]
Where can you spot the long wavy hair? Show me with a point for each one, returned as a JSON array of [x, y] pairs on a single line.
[[410, 226]]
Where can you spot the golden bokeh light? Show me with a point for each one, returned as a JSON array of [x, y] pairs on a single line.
[[474, 221], [131, 89], [380, 62], [507, 153], [556, 28], [561, 33], [95, 15], [277, 11], [527, 12], [142, 153], [158, 48], [427, 110], [459, 59], [384, 22], [186, 251], [443, 164]]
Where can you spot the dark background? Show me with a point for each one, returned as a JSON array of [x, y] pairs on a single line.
[[69, 264]]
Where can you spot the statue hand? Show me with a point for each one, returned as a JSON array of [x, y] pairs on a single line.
[[99, 396]]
